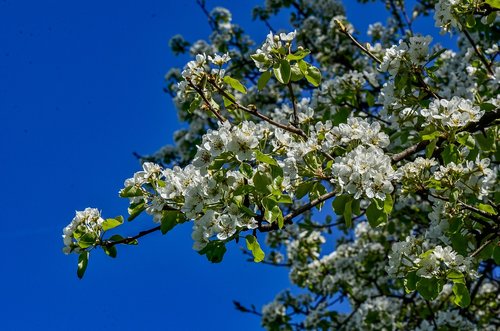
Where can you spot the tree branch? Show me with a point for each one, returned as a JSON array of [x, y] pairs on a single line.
[[128, 240]]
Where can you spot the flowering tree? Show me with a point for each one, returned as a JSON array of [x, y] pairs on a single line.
[[399, 134]]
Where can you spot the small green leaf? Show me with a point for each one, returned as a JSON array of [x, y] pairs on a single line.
[[429, 150], [111, 223], [263, 79], [456, 276], [110, 251], [298, 55], [246, 170], [130, 192], [234, 83], [470, 21], [388, 204], [262, 183], [374, 215], [135, 210], [303, 189], [348, 213], [283, 72], [214, 251], [465, 139], [496, 254], [339, 202], [429, 288], [313, 75], [254, 247], [83, 260], [462, 297], [87, 240], [170, 219], [487, 208], [265, 158], [296, 73], [410, 282]]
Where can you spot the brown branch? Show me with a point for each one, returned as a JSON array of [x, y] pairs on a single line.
[[487, 120], [294, 105], [479, 54], [343, 29], [255, 112], [128, 240], [207, 102]]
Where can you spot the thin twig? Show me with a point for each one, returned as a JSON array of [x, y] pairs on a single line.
[[207, 102], [294, 105], [255, 112], [343, 29], [478, 52], [128, 240]]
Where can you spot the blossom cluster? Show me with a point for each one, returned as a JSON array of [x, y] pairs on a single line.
[[87, 222], [266, 55], [364, 172], [436, 262], [453, 113], [413, 52]]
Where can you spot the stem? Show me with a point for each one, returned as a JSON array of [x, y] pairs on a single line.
[[294, 104], [255, 112], [207, 102], [364, 49], [479, 53], [128, 240]]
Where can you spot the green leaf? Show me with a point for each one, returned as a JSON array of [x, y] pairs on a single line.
[[450, 154], [87, 240], [234, 83], [435, 55], [110, 251], [465, 139], [374, 215], [195, 104], [487, 208], [214, 251], [243, 189], [263, 79], [298, 55], [170, 219], [135, 210], [254, 247], [470, 21], [130, 192], [388, 204], [462, 297], [246, 170], [303, 189], [456, 276], [496, 254], [283, 72], [429, 150], [262, 183], [313, 75], [339, 203], [348, 213], [410, 282], [429, 288], [83, 261], [296, 73], [111, 223], [116, 237], [265, 158]]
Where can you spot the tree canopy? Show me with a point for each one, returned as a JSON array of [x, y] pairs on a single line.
[[399, 134]]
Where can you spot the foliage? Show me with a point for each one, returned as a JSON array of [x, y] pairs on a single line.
[[399, 134]]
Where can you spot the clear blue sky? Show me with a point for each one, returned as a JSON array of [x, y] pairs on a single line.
[[80, 90]]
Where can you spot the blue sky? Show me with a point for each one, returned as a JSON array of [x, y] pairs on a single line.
[[80, 90]]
